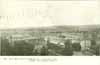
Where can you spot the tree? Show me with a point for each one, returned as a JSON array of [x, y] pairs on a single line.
[[68, 50]]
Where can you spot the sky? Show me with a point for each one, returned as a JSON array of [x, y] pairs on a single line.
[[23, 14]]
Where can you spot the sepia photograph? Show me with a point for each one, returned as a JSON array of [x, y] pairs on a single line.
[[49, 28]]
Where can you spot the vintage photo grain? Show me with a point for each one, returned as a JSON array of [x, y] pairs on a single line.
[[46, 28]]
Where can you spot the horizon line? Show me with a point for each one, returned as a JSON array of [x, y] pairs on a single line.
[[49, 26]]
